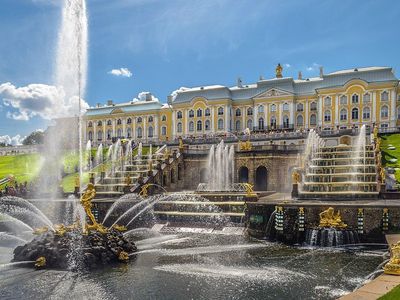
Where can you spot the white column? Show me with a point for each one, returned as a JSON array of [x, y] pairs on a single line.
[[320, 112], [113, 126], [94, 133], [255, 121], [104, 132], [306, 107], [84, 129], [244, 125], [134, 128], [156, 127], [123, 120], [291, 111], [393, 108], [336, 110], [145, 128], [173, 125], [226, 112], [186, 121], [213, 130], [373, 106]]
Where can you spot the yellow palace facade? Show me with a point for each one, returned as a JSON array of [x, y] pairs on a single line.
[[339, 100]]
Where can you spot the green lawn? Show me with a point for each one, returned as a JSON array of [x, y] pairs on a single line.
[[391, 158], [394, 294], [23, 167]]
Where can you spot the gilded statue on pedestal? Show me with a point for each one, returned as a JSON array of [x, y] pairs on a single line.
[[393, 266], [278, 71], [296, 177], [86, 202], [328, 218]]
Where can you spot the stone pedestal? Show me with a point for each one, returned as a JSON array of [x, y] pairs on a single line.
[[295, 190]]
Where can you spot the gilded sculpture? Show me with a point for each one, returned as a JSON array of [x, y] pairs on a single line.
[[144, 191], [328, 218], [393, 266], [278, 71], [245, 146], [296, 177], [40, 262], [86, 202], [249, 189]]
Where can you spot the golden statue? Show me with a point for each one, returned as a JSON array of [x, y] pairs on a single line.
[[296, 177], [144, 191], [60, 229], [123, 256], [128, 180], [393, 266], [278, 71], [86, 202], [181, 144], [120, 228], [245, 146], [40, 230], [375, 132], [249, 189], [328, 218], [383, 175], [40, 262], [166, 153]]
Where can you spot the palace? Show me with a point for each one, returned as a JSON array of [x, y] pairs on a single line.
[[339, 100]]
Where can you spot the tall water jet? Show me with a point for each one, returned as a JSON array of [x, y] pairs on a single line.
[[99, 155]]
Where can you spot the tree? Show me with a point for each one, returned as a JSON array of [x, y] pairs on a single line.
[[35, 138]]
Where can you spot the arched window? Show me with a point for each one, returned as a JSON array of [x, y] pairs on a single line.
[[119, 122], [220, 124], [99, 123], [250, 124], [273, 122], [220, 111], [129, 133], [191, 113], [129, 121], [299, 120], [191, 126], [354, 114], [109, 134], [354, 99], [199, 112], [384, 112], [207, 112], [261, 109], [300, 107], [366, 113], [238, 112], [327, 116], [90, 135], [179, 115], [367, 98], [100, 135], [139, 132], [285, 121], [139, 119], [250, 111], [108, 122], [343, 114], [238, 126], [327, 101], [313, 120], [199, 126], [273, 108], [150, 119], [261, 124], [385, 96], [343, 100], [179, 127], [207, 125], [164, 118], [163, 130], [313, 106], [90, 124], [150, 135], [285, 107], [119, 133]]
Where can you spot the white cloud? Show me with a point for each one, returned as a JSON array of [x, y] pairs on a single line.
[[45, 101], [121, 72], [287, 65], [142, 97], [14, 140], [313, 67], [175, 93]]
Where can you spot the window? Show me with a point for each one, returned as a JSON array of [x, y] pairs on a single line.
[[150, 119], [207, 112], [119, 133], [199, 126], [179, 115], [384, 125], [129, 133], [367, 98], [237, 126], [220, 111], [250, 124], [366, 113], [90, 135], [109, 133], [90, 124], [220, 124], [164, 118], [119, 122], [100, 135], [261, 109], [261, 124], [285, 121], [384, 112], [139, 132], [109, 122], [179, 127], [300, 107], [238, 112], [150, 135], [191, 113], [299, 120], [129, 121], [343, 100], [139, 120], [343, 114], [385, 96], [354, 99], [327, 101], [207, 125], [273, 122], [99, 123], [327, 116], [313, 120], [199, 112], [354, 113], [313, 106], [250, 111], [163, 130], [285, 107], [191, 126], [273, 108]]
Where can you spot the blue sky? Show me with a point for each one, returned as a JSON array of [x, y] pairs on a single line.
[[167, 44]]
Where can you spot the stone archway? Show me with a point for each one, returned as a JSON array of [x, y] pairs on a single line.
[[261, 183], [243, 174]]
